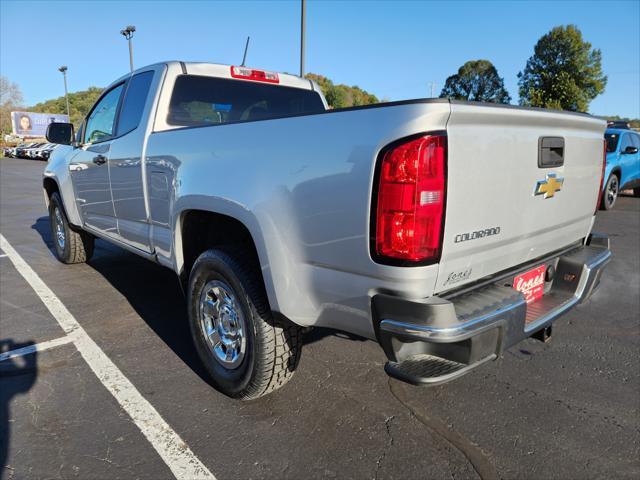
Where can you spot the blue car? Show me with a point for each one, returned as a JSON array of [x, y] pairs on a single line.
[[623, 165]]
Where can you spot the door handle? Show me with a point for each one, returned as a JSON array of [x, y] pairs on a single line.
[[100, 160]]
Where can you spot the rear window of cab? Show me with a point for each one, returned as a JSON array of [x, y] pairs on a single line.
[[199, 100]]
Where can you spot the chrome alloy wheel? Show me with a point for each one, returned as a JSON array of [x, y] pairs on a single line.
[[59, 224], [223, 324], [612, 191]]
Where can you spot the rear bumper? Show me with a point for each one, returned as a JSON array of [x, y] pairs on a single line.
[[434, 340]]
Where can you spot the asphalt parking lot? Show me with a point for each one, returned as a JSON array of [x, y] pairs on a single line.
[[566, 409]]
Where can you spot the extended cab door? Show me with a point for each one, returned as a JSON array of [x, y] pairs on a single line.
[[125, 160], [89, 169]]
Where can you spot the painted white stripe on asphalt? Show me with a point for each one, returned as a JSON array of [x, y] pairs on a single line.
[[171, 448], [36, 347]]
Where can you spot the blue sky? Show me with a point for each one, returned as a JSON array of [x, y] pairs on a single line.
[[392, 49]]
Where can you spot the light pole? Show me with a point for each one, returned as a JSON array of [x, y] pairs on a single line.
[[128, 34], [63, 69], [302, 28]]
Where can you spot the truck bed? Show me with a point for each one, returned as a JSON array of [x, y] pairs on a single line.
[[303, 187]]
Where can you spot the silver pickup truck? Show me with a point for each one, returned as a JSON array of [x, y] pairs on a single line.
[[446, 231]]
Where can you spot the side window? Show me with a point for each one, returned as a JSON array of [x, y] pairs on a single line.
[[635, 139], [101, 121], [626, 142], [134, 101]]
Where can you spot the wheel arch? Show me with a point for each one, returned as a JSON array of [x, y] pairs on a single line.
[[617, 170], [49, 186], [199, 229]]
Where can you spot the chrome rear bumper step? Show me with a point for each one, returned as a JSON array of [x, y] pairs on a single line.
[[426, 369]]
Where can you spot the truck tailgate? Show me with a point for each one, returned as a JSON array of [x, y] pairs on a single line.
[[503, 208]]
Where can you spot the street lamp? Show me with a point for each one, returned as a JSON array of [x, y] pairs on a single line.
[[128, 34], [63, 70]]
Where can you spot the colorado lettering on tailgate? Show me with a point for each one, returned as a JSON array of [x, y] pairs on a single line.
[[487, 232]]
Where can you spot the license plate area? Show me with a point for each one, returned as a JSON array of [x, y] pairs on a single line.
[[531, 283]]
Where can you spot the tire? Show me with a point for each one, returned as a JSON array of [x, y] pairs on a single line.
[[636, 192], [227, 303], [70, 245], [611, 191]]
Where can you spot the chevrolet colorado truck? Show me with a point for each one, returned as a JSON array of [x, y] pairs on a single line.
[[446, 231]]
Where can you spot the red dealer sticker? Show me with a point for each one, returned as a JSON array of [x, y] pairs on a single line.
[[531, 283]]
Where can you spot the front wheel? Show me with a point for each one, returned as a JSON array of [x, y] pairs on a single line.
[[245, 350], [71, 245], [636, 192], [611, 191]]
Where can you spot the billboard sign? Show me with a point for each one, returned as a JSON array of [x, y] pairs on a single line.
[[31, 124]]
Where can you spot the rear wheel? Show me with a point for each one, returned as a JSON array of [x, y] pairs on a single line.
[[71, 245], [611, 191], [245, 350]]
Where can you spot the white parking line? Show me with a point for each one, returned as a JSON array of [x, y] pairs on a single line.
[[36, 347], [171, 448]]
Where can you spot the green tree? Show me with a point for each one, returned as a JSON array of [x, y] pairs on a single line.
[[564, 72], [79, 104], [10, 100], [342, 96], [476, 80]]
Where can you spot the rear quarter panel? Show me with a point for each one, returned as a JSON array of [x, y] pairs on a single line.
[[302, 186]]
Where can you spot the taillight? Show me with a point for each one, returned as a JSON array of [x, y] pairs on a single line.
[[411, 198], [253, 74], [604, 165]]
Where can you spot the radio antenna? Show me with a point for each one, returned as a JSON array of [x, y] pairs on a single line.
[[244, 57]]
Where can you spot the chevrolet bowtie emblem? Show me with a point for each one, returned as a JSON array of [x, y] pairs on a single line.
[[549, 186]]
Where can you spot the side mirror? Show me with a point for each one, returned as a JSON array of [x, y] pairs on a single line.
[[630, 150], [60, 133]]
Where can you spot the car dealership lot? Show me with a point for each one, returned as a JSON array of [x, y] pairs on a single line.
[[566, 409]]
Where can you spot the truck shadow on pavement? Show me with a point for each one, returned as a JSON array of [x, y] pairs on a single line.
[[17, 375], [152, 291], [155, 294]]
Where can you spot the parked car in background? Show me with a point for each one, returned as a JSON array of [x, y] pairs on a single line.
[[29, 150], [13, 151], [44, 152], [622, 169], [35, 153], [23, 152], [20, 149]]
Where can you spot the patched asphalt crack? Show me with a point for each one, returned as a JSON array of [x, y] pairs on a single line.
[[476, 457], [381, 458]]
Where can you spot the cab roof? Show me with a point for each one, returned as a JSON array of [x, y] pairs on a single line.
[[224, 71]]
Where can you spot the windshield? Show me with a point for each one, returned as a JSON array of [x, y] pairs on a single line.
[[612, 141]]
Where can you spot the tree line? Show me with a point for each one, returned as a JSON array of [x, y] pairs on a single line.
[[564, 73]]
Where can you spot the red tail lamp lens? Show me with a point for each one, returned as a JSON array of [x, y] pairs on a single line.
[[411, 198]]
